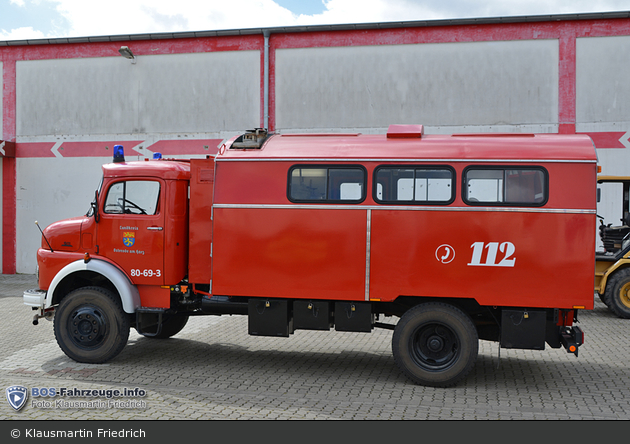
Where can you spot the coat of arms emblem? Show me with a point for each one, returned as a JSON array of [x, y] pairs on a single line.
[[129, 238]]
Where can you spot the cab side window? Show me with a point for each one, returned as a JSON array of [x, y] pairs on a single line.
[[133, 197]]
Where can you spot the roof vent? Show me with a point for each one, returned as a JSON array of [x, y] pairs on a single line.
[[252, 139], [405, 131]]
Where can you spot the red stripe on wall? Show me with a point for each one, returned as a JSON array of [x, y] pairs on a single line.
[[42, 149], [186, 147], [566, 78], [453, 34], [9, 190], [8, 215], [138, 47], [106, 148], [605, 140], [87, 149]]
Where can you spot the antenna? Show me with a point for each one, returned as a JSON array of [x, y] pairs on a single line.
[[40, 229]]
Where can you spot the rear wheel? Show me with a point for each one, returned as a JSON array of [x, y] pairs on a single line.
[[435, 344], [618, 293], [91, 326]]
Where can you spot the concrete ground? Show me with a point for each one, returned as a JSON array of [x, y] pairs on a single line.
[[214, 370]]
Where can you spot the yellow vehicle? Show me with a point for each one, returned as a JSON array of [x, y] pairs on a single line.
[[612, 266]]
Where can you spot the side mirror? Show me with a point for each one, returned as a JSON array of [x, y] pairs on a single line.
[[94, 207]]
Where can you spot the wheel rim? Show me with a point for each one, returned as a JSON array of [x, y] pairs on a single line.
[[87, 326], [434, 347], [624, 295]]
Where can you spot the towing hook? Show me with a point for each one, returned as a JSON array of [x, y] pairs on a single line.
[[572, 338], [48, 315]]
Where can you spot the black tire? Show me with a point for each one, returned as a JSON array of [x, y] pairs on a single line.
[[617, 295], [435, 344], [171, 325], [91, 326]]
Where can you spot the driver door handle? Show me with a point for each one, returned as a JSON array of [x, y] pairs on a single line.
[[154, 228]]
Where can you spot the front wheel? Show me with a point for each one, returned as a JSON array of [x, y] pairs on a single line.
[[91, 326], [435, 344], [618, 293]]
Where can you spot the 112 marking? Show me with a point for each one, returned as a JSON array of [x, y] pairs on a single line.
[[507, 250]]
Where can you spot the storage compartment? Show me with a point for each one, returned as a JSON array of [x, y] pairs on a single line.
[[269, 317], [524, 329], [312, 315], [354, 316]]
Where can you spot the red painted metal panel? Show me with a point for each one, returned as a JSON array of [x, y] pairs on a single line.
[[432, 253], [51, 263], [296, 253], [504, 255], [176, 170], [176, 239], [154, 296], [200, 237], [457, 147], [251, 182]]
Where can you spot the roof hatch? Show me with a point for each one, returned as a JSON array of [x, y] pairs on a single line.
[[405, 131]]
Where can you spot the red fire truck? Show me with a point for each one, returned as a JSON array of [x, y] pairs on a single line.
[[458, 238]]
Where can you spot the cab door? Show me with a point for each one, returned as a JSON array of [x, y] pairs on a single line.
[[131, 228]]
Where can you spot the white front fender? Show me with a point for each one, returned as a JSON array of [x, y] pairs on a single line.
[[128, 292]]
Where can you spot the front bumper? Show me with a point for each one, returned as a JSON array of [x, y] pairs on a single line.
[[35, 298]]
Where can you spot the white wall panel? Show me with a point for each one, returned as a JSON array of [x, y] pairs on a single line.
[[602, 86], [48, 190], [443, 84], [603, 105], [179, 93]]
